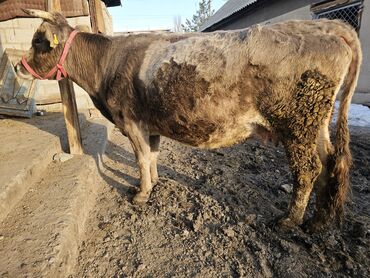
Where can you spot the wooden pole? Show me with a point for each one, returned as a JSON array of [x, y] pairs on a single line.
[[67, 94], [69, 102]]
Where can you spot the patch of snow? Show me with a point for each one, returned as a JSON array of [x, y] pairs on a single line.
[[359, 115]]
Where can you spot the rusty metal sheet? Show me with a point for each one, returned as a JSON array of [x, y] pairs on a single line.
[[16, 94], [13, 8], [72, 8]]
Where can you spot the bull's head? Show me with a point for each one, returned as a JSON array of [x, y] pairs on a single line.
[[47, 45]]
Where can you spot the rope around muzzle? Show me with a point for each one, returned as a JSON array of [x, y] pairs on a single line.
[[58, 68]]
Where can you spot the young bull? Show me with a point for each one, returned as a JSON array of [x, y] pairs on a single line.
[[216, 89]]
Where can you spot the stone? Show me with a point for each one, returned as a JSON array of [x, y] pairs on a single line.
[[229, 232], [62, 157], [287, 187]]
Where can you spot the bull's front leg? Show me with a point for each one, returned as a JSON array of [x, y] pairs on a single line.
[[154, 141], [140, 142]]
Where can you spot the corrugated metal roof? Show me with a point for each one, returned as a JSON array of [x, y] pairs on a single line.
[[13, 8], [231, 7], [112, 3]]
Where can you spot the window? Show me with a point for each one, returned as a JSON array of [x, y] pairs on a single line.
[[350, 13]]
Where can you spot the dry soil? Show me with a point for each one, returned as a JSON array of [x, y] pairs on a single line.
[[210, 215]]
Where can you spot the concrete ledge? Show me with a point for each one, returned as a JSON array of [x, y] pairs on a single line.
[[25, 152], [40, 236]]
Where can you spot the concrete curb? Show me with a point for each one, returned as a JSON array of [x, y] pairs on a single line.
[[18, 175], [41, 235]]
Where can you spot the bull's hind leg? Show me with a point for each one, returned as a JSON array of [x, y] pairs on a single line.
[[305, 165], [140, 142], [297, 118], [326, 150]]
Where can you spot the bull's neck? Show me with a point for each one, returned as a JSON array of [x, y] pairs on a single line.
[[86, 64]]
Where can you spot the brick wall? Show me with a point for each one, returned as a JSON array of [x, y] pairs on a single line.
[[17, 33]]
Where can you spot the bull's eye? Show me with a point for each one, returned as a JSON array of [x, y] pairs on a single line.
[[40, 43], [37, 41]]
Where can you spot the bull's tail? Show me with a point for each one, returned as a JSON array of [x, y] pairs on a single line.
[[341, 160]]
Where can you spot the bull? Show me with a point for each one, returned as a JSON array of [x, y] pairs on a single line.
[[211, 90]]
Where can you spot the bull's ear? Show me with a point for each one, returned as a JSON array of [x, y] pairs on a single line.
[[41, 14], [52, 38], [83, 28]]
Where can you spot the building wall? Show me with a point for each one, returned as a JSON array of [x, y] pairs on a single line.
[[268, 11], [17, 33], [284, 10], [364, 81], [300, 13]]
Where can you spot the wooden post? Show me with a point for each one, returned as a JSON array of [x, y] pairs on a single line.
[[69, 102], [96, 15], [67, 94]]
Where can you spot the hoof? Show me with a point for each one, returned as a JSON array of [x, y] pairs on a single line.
[[140, 198], [316, 225], [285, 224]]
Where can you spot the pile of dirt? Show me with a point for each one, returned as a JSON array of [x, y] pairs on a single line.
[[210, 216]]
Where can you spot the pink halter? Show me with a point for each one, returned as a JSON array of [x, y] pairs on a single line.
[[59, 69]]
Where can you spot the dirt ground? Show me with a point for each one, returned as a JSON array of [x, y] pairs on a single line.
[[210, 216]]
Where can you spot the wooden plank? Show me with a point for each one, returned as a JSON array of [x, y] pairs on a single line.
[[99, 17], [67, 94], [96, 15], [93, 17], [49, 101], [323, 6]]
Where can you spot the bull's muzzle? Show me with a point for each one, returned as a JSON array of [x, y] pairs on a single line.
[[22, 72]]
